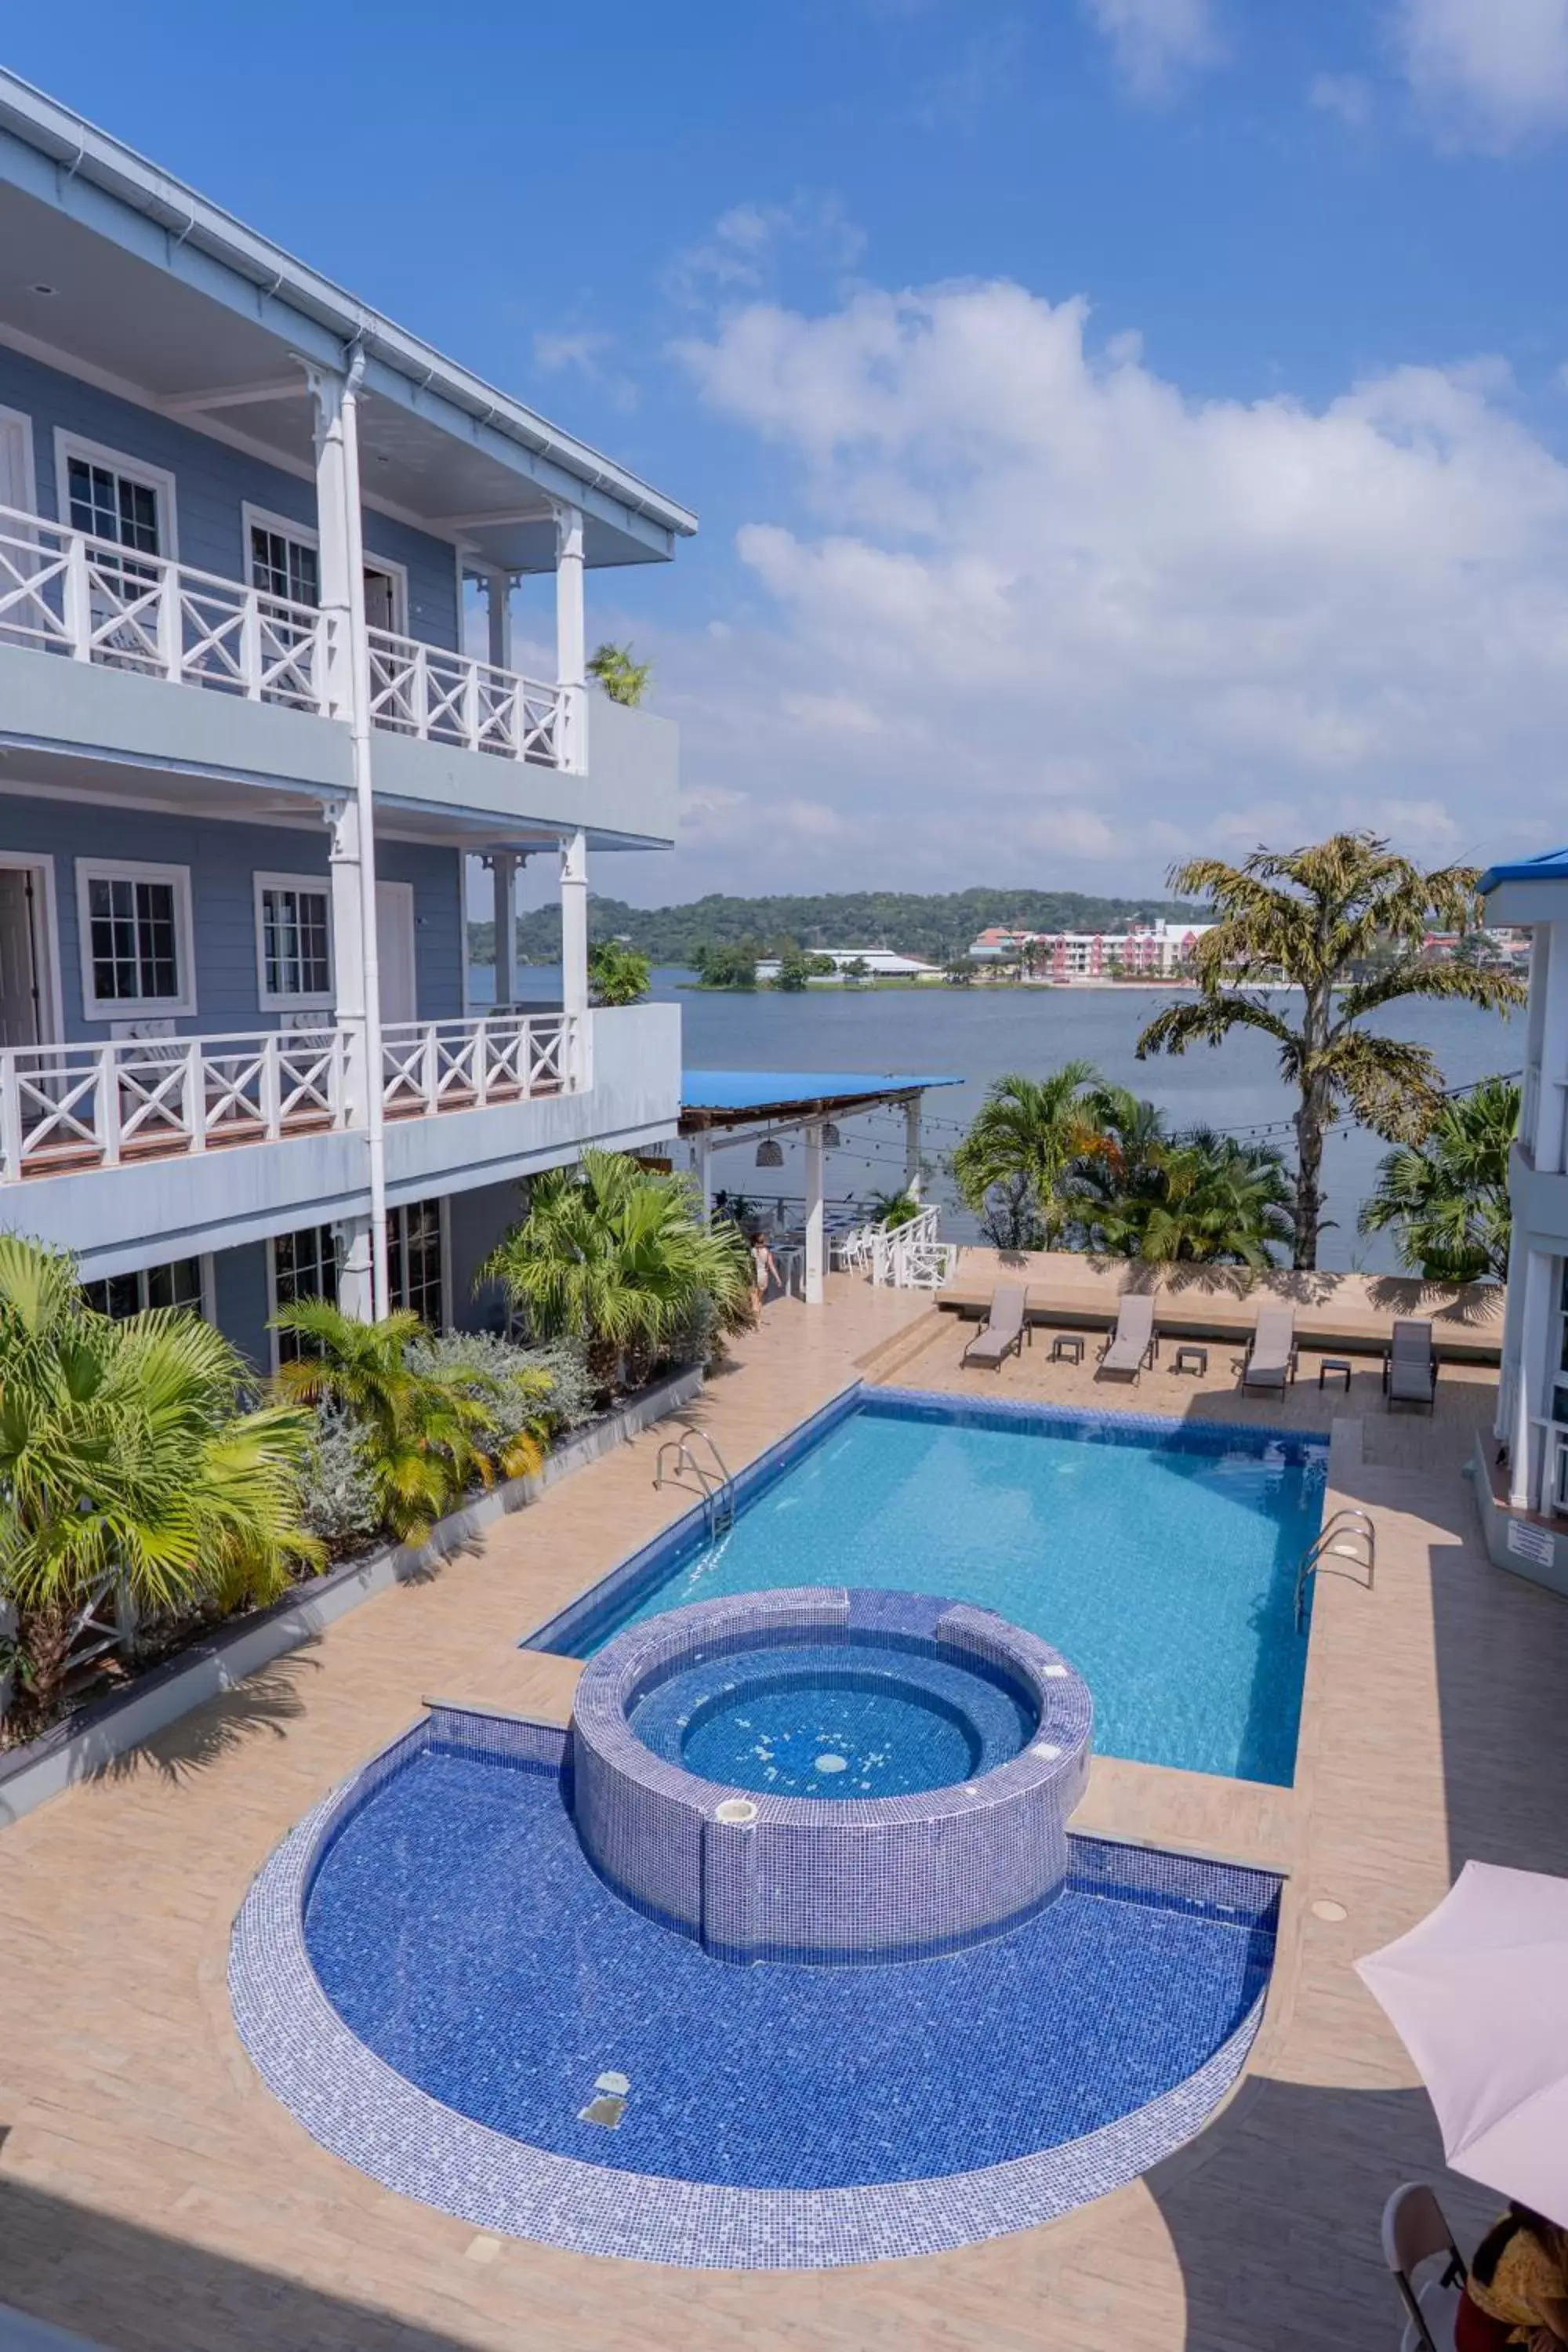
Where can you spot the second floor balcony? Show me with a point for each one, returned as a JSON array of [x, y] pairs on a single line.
[[68, 593]]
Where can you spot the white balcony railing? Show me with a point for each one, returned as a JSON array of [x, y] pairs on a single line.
[[436, 1066], [65, 592], [67, 1109], [419, 689]]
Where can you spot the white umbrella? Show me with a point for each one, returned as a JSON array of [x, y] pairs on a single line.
[[1478, 1995]]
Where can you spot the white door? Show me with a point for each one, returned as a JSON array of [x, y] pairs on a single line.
[[395, 950], [17, 461], [18, 562], [21, 999], [381, 601]]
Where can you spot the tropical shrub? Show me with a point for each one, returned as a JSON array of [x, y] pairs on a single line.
[[891, 1209], [428, 1434], [623, 679], [1030, 1135], [129, 1463], [618, 1257], [725, 967], [513, 1391], [341, 1502], [618, 974], [1445, 1200]]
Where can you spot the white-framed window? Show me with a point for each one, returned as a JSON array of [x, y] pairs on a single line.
[[136, 946], [185, 1282], [416, 1260], [113, 495], [303, 1264], [293, 942], [282, 558]]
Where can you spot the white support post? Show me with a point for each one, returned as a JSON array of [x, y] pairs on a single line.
[[356, 1283], [348, 956], [503, 878], [1532, 1389], [342, 594], [702, 1165], [913, 1147], [574, 923], [815, 1162], [571, 637], [497, 597]]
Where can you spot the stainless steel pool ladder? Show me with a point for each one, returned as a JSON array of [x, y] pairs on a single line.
[[714, 1482], [1345, 1527]]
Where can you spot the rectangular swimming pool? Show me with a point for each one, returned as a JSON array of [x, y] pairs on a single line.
[[1159, 1555]]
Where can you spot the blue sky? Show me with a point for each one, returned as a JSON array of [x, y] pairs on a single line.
[[1118, 427]]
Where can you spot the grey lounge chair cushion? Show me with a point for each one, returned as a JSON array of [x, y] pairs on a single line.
[[1412, 1364], [1130, 1339], [1002, 1328], [1273, 1346]]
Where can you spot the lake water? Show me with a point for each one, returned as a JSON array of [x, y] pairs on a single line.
[[976, 1035]]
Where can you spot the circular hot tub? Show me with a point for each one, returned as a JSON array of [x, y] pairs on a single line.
[[815, 1774]]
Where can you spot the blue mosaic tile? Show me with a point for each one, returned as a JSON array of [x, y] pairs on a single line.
[[455, 1877]]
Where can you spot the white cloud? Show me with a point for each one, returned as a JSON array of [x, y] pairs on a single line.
[[1156, 42], [585, 352], [1031, 610], [1344, 96], [1489, 73], [742, 250]]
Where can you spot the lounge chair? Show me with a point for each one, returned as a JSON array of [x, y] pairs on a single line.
[[1410, 1367], [1428, 2269], [1002, 1333], [1270, 1361], [1132, 1344]]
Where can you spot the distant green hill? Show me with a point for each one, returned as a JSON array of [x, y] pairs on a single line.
[[934, 927]]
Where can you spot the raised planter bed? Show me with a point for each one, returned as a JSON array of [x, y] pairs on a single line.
[[82, 1744]]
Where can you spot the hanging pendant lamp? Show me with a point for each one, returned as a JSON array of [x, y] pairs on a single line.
[[769, 1154]]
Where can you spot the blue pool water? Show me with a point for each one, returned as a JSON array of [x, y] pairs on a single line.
[[866, 1718], [457, 1928], [1159, 1557]]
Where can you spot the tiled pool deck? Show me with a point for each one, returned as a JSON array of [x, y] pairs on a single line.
[[153, 2194]]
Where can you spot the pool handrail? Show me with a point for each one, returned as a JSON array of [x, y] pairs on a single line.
[[1323, 1546]]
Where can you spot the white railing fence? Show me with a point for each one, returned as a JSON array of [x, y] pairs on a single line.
[[65, 1108], [910, 1256], [433, 1066], [65, 592], [444, 698]]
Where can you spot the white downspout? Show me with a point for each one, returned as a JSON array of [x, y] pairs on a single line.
[[364, 794]]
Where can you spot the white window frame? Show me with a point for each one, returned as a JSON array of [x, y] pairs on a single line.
[[398, 575], [128, 1008], [273, 1301], [156, 478], [50, 989], [303, 534], [444, 1226], [20, 421], [270, 1001]]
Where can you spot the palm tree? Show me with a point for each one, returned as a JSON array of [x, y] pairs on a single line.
[[1447, 1199], [623, 679], [128, 1462], [1310, 917], [617, 973], [429, 1433], [1033, 1132], [1120, 1180], [621, 1257]]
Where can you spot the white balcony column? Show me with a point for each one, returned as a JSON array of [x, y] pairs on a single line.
[[913, 1147], [504, 876], [1545, 1146], [348, 955], [336, 399], [497, 597], [571, 635], [356, 1284], [1533, 1387], [815, 1168], [702, 1169], [574, 923]]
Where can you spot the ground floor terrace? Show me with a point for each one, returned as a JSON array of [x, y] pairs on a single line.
[[153, 2195]]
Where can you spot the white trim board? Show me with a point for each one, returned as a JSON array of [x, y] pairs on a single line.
[[156, 478], [320, 885]]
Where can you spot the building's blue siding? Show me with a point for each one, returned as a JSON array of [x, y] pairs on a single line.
[[212, 483], [478, 1220], [223, 859]]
